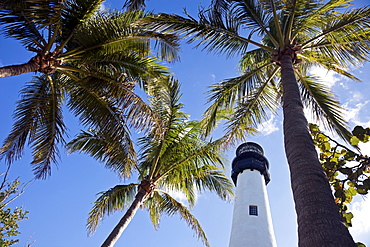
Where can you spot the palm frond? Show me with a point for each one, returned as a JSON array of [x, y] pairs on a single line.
[[151, 203], [254, 59], [38, 118], [347, 23], [112, 32], [75, 14], [136, 68], [277, 26], [115, 33], [100, 108], [327, 58], [212, 33], [165, 96], [23, 20], [258, 18], [168, 205], [214, 180], [134, 5], [250, 113], [305, 16], [194, 160], [324, 105], [198, 173], [111, 84], [340, 50], [108, 202], [244, 88], [117, 153]]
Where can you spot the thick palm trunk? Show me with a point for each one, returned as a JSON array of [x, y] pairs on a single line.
[[12, 70], [319, 222], [125, 220]]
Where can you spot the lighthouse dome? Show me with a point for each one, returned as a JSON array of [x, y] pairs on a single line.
[[249, 155]]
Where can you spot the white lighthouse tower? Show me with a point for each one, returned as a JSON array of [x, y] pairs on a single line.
[[252, 224]]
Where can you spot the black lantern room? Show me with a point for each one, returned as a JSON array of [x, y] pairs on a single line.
[[249, 155]]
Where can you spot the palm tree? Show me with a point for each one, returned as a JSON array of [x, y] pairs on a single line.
[[90, 59], [172, 158], [278, 42], [65, 32]]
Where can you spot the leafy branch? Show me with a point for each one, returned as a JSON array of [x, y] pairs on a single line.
[[9, 218], [347, 170]]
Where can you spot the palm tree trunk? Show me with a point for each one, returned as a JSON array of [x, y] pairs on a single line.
[[125, 220], [12, 70], [319, 221]]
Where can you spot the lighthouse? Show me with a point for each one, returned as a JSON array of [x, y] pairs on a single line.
[[252, 223]]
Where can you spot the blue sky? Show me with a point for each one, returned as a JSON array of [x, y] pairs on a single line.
[[59, 205]]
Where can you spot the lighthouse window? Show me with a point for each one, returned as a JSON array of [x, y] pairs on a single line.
[[253, 210]]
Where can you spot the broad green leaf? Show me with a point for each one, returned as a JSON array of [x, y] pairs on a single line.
[[354, 140], [348, 218], [346, 171], [350, 183], [349, 155], [361, 189], [325, 146], [358, 244], [359, 132], [352, 191], [366, 183], [335, 160], [314, 127]]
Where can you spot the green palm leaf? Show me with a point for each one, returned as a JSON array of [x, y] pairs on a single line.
[[109, 32], [168, 205], [108, 202], [324, 105], [134, 4], [296, 35], [38, 118], [76, 12], [15, 17], [214, 180], [251, 93], [172, 158], [215, 36], [321, 34], [95, 59], [116, 153]]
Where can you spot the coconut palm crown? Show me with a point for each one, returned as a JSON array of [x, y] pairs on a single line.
[[313, 33], [279, 41], [85, 58], [171, 158]]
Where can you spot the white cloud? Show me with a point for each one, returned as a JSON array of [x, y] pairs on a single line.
[[360, 229], [355, 97], [181, 197], [213, 76], [327, 76], [360, 208], [365, 148], [309, 116], [353, 114], [102, 7], [344, 85], [268, 127], [312, 119]]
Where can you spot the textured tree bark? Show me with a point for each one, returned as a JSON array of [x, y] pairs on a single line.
[[125, 220], [319, 221], [12, 70]]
